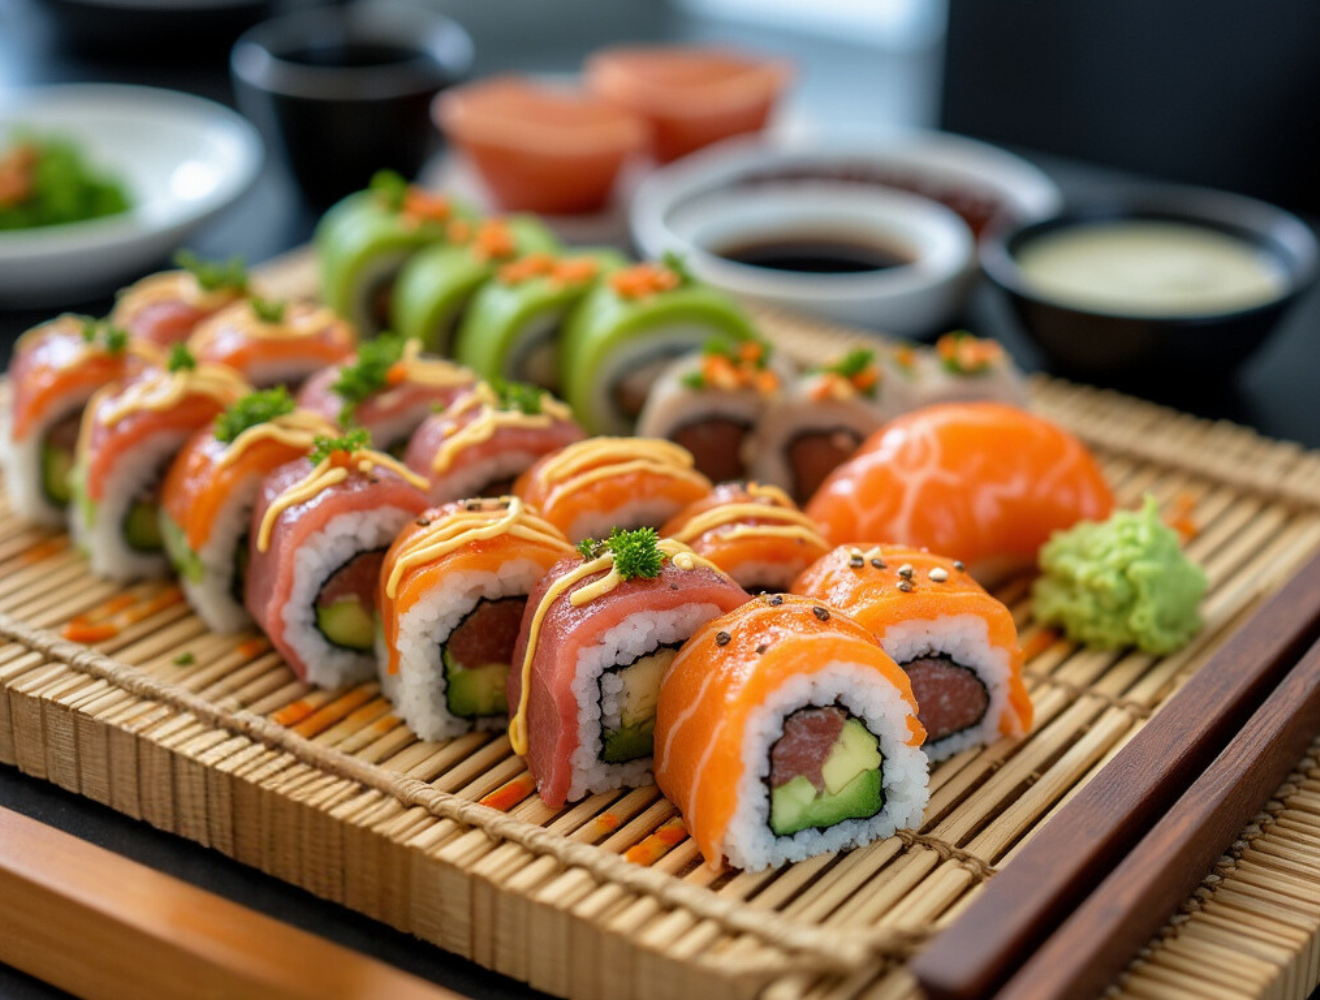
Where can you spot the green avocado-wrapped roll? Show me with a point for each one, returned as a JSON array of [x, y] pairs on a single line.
[[627, 330], [512, 326], [363, 241], [435, 285]]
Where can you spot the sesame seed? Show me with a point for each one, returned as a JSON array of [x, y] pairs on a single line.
[[904, 586], [820, 613], [722, 638], [856, 562], [776, 600], [905, 571], [878, 563], [958, 565], [762, 648], [939, 574]]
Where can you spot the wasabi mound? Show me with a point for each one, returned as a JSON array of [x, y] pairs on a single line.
[[1121, 582]]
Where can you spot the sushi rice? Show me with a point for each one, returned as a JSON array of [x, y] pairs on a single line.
[[212, 594], [475, 479], [22, 462]]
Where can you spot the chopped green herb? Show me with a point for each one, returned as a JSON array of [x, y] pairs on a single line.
[[518, 396], [636, 553], [368, 374], [116, 339], [253, 409], [852, 363], [324, 447], [389, 188], [90, 327], [185, 659], [213, 275], [693, 380], [589, 549], [48, 181], [676, 262], [181, 359], [268, 310], [112, 338]]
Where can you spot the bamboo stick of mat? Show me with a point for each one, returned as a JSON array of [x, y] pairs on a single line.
[[1098, 940], [102, 927], [1079, 846]]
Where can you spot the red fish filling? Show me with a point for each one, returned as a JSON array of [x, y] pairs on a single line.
[[346, 606], [716, 445], [824, 769], [813, 454], [950, 697], [476, 658]]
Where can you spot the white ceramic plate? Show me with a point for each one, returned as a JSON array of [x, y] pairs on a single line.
[[181, 158]]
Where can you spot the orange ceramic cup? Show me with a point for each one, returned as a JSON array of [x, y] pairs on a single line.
[[540, 148], [690, 97]]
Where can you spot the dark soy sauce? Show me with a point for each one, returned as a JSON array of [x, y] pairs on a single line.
[[352, 55], [815, 255]]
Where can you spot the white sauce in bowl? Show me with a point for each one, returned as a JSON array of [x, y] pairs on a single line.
[[1149, 268]]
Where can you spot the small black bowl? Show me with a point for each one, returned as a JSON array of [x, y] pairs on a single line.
[[346, 91], [1136, 350]]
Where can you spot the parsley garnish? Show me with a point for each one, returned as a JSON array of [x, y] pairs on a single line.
[[636, 553], [367, 374], [114, 338], [268, 310], [518, 396], [213, 275], [181, 359], [253, 409], [676, 262], [324, 447], [853, 363], [389, 188]]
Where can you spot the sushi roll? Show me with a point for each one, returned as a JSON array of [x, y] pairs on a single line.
[[273, 343], [207, 498], [165, 308], [387, 388], [967, 369], [628, 329], [818, 423], [981, 482], [488, 437], [709, 403], [131, 432], [363, 241], [753, 532], [782, 731], [956, 643], [513, 325], [56, 368], [592, 486], [318, 535], [597, 636], [436, 283], [452, 592]]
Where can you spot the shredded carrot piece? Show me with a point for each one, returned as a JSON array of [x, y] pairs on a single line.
[[510, 793], [17, 169], [494, 241], [643, 280], [574, 272], [422, 206], [459, 231], [534, 265], [43, 551], [89, 632], [291, 715], [1038, 643], [165, 599], [658, 844], [1180, 517], [251, 648], [967, 353]]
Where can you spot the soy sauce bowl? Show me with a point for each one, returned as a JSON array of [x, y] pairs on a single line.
[[1130, 349], [346, 91]]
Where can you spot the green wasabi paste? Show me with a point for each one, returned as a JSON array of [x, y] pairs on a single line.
[[1121, 582]]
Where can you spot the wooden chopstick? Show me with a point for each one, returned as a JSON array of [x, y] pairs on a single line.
[[1098, 941], [100, 926], [1077, 848]]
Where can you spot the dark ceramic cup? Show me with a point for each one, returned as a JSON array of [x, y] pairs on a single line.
[[346, 91], [1136, 351]]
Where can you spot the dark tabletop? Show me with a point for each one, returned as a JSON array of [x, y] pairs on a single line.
[[840, 81]]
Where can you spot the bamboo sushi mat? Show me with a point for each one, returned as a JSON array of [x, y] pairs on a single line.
[[213, 738]]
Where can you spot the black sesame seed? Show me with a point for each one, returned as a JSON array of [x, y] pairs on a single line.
[[905, 571], [904, 586], [673, 586], [958, 565], [722, 638], [423, 522], [856, 562], [776, 600], [878, 563], [762, 648], [820, 613]]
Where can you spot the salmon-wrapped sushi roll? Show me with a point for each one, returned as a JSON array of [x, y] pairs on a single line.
[[387, 388], [783, 730], [274, 343], [206, 502], [130, 434], [753, 532], [166, 308], [318, 535], [597, 636], [452, 593], [709, 403], [57, 366], [957, 644], [487, 437], [817, 424], [595, 485], [967, 369]]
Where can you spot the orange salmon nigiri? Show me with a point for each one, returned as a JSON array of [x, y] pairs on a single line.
[[783, 730], [274, 343], [753, 532], [593, 486], [957, 644], [985, 483]]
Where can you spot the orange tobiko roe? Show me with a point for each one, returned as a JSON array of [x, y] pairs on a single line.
[[689, 97], [540, 148]]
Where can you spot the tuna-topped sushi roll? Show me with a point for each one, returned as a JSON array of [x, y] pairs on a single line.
[[709, 403], [513, 325], [363, 241], [627, 329], [588, 488], [387, 388], [435, 285], [818, 423], [57, 367], [597, 636], [967, 369], [452, 594], [273, 343], [957, 644], [130, 433], [165, 308], [486, 438], [206, 501], [783, 730], [755, 533]]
